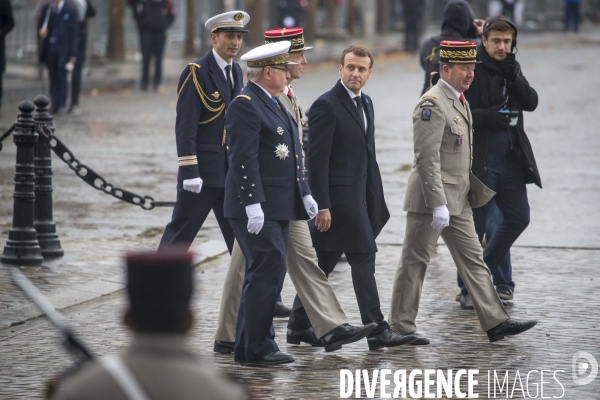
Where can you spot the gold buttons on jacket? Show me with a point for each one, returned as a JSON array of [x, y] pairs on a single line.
[[443, 179], [298, 179]]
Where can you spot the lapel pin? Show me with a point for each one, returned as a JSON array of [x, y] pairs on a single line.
[[216, 95], [280, 130], [457, 120]]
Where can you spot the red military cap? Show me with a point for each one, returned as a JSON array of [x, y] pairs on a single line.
[[294, 35], [459, 52]]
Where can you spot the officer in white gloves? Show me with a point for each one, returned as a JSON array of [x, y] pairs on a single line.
[[264, 190], [206, 88], [440, 193]]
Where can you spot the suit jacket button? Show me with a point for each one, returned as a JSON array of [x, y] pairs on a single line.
[[298, 179], [297, 167], [364, 201], [443, 179], [296, 156]]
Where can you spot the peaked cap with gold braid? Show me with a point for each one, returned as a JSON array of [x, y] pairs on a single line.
[[458, 52]]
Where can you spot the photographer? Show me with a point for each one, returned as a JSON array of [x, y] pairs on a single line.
[[503, 158]]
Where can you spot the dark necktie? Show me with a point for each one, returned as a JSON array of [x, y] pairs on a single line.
[[229, 81], [359, 108]]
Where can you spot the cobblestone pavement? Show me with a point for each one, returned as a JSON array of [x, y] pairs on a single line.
[[127, 136]]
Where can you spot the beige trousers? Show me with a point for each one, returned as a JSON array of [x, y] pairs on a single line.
[[322, 307], [464, 246]]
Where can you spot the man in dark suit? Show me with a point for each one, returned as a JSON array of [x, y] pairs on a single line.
[[59, 30], [7, 23], [206, 88], [265, 189], [345, 178]]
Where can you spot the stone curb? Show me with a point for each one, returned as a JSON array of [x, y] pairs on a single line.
[[78, 294]]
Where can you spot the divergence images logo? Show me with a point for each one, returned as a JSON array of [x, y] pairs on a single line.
[[581, 368]]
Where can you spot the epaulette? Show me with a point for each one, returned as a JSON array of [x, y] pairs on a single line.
[[428, 95], [243, 96], [194, 64]]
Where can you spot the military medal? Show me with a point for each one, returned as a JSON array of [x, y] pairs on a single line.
[[281, 151], [459, 140], [457, 120], [280, 130]]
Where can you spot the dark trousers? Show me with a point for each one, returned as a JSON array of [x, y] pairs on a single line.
[[1, 86], [509, 11], [572, 16], [153, 45], [76, 74], [365, 287], [486, 220], [57, 75], [265, 255], [190, 212], [507, 180], [413, 14]]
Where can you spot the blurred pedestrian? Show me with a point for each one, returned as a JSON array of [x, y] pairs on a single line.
[[440, 193], [206, 87], [503, 158], [58, 28], [85, 11], [458, 22], [413, 18], [508, 9], [158, 363], [572, 14], [154, 18], [7, 23]]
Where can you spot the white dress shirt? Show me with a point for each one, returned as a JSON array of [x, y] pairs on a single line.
[[222, 64], [352, 96]]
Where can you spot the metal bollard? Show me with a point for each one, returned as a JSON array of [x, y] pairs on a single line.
[[42, 160], [22, 247]]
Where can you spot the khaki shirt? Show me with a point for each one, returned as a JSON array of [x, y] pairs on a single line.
[[443, 146], [165, 368]]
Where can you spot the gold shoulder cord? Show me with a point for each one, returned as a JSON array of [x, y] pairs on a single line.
[[204, 97]]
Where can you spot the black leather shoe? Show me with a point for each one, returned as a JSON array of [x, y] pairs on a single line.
[[466, 303], [504, 293], [274, 358], [303, 335], [223, 347], [389, 338], [419, 341], [281, 311], [508, 328], [345, 334], [458, 296]]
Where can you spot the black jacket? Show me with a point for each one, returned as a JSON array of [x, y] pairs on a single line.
[[485, 92], [457, 24], [343, 173], [63, 32], [7, 23]]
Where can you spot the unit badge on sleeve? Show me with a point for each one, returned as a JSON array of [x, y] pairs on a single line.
[[426, 114]]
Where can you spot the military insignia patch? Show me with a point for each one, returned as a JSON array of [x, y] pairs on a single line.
[[457, 120], [281, 151], [280, 130], [426, 114], [427, 104], [216, 95], [238, 17]]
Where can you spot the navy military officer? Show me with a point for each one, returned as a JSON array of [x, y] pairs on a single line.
[[206, 88], [265, 189]]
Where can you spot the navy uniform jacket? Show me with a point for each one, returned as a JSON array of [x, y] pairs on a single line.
[[200, 125], [343, 173], [256, 128], [63, 32]]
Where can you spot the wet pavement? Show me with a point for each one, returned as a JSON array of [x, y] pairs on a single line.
[[127, 136]]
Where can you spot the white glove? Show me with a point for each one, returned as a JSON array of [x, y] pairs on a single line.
[[311, 206], [193, 185], [256, 218], [441, 217]]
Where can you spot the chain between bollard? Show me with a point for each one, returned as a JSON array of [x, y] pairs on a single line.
[[94, 179], [7, 134]]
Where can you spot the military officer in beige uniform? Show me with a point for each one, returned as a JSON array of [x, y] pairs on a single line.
[[159, 363], [323, 309], [440, 193]]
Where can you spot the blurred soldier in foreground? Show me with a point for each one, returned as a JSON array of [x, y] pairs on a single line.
[[458, 22], [440, 193], [7, 23], [328, 319], [158, 364]]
